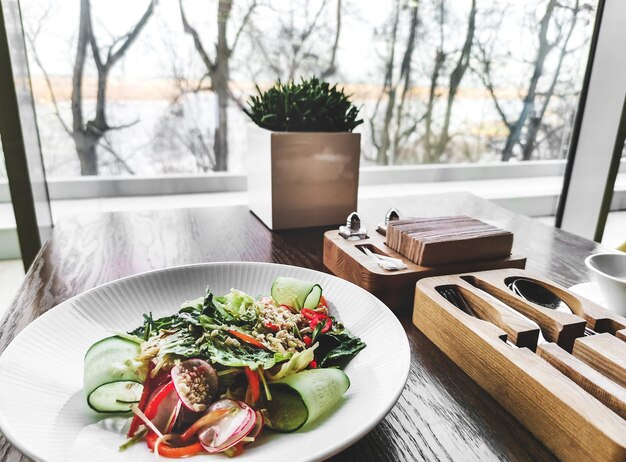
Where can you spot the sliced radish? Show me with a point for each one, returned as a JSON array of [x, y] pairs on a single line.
[[230, 429], [209, 418], [258, 425], [236, 437], [196, 383]]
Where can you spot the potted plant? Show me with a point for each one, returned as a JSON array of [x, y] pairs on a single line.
[[303, 159]]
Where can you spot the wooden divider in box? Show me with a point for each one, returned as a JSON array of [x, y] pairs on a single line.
[[542, 390], [597, 317], [346, 259]]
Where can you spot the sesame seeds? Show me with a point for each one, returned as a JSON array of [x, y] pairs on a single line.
[[192, 384], [276, 327], [196, 383], [232, 342]]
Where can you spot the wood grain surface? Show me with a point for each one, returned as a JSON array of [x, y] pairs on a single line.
[[589, 379], [604, 353], [571, 422], [441, 415], [347, 260], [557, 326]]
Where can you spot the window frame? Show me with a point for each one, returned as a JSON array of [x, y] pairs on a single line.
[[599, 131]]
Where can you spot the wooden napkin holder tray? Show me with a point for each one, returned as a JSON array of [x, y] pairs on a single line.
[[346, 259], [571, 422]]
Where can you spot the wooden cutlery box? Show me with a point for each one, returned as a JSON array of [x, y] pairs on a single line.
[[347, 259], [569, 390]]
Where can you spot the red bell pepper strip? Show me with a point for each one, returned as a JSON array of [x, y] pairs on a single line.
[[246, 338], [323, 302], [310, 314], [153, 405], [315, 318], [328, 323], [253, 383], [148, 388], [307, 340], [173, 453]]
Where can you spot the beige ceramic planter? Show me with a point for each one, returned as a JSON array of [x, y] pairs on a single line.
[[301, 179]]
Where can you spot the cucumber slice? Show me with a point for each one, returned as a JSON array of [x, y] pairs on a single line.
[[112, 379], [115, 396], [303, 397], [296, 293], [313, 299], [287, 411]]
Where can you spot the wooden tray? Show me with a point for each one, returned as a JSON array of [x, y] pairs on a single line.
[[394, 288], [551, 401]]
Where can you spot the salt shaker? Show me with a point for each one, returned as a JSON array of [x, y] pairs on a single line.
[[353, 230]]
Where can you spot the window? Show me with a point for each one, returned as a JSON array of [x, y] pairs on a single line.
[[438, 81], [9, 248], [615, 228], [3, 171]]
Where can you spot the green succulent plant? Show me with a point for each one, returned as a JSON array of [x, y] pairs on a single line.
[[309, 106]]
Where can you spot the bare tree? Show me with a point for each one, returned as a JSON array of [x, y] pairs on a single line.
[[385, 138], [286, 50], [405, 82], [400, 121], [298, 42], [388, 92], [331, 67], [523, 128], [218, 70], [185, 130], [537, 117], [544, 48], [439, 61], [435, 144], [456, 76], [181, 131], [89, 135]]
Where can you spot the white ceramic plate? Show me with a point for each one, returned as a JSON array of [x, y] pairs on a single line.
[[43, 410]]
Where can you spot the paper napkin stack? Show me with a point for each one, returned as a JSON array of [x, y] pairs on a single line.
[[435, 241]]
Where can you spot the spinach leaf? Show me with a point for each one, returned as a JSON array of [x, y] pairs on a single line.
[[199, 329], [240, 356], [181, 343], [337, 348], [187, 315], [216, 310]]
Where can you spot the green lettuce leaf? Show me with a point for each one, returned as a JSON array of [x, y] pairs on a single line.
[[298, 362], [236, 305]]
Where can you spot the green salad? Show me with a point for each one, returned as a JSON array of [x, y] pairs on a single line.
[[211, 377]]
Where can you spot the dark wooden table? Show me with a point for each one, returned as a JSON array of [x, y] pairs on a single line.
[[441, 415]]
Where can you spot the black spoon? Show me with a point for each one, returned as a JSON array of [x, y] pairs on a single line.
[[542, 296]]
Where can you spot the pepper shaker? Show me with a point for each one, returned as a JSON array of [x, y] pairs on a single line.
[[353, 230], [392, 215]]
